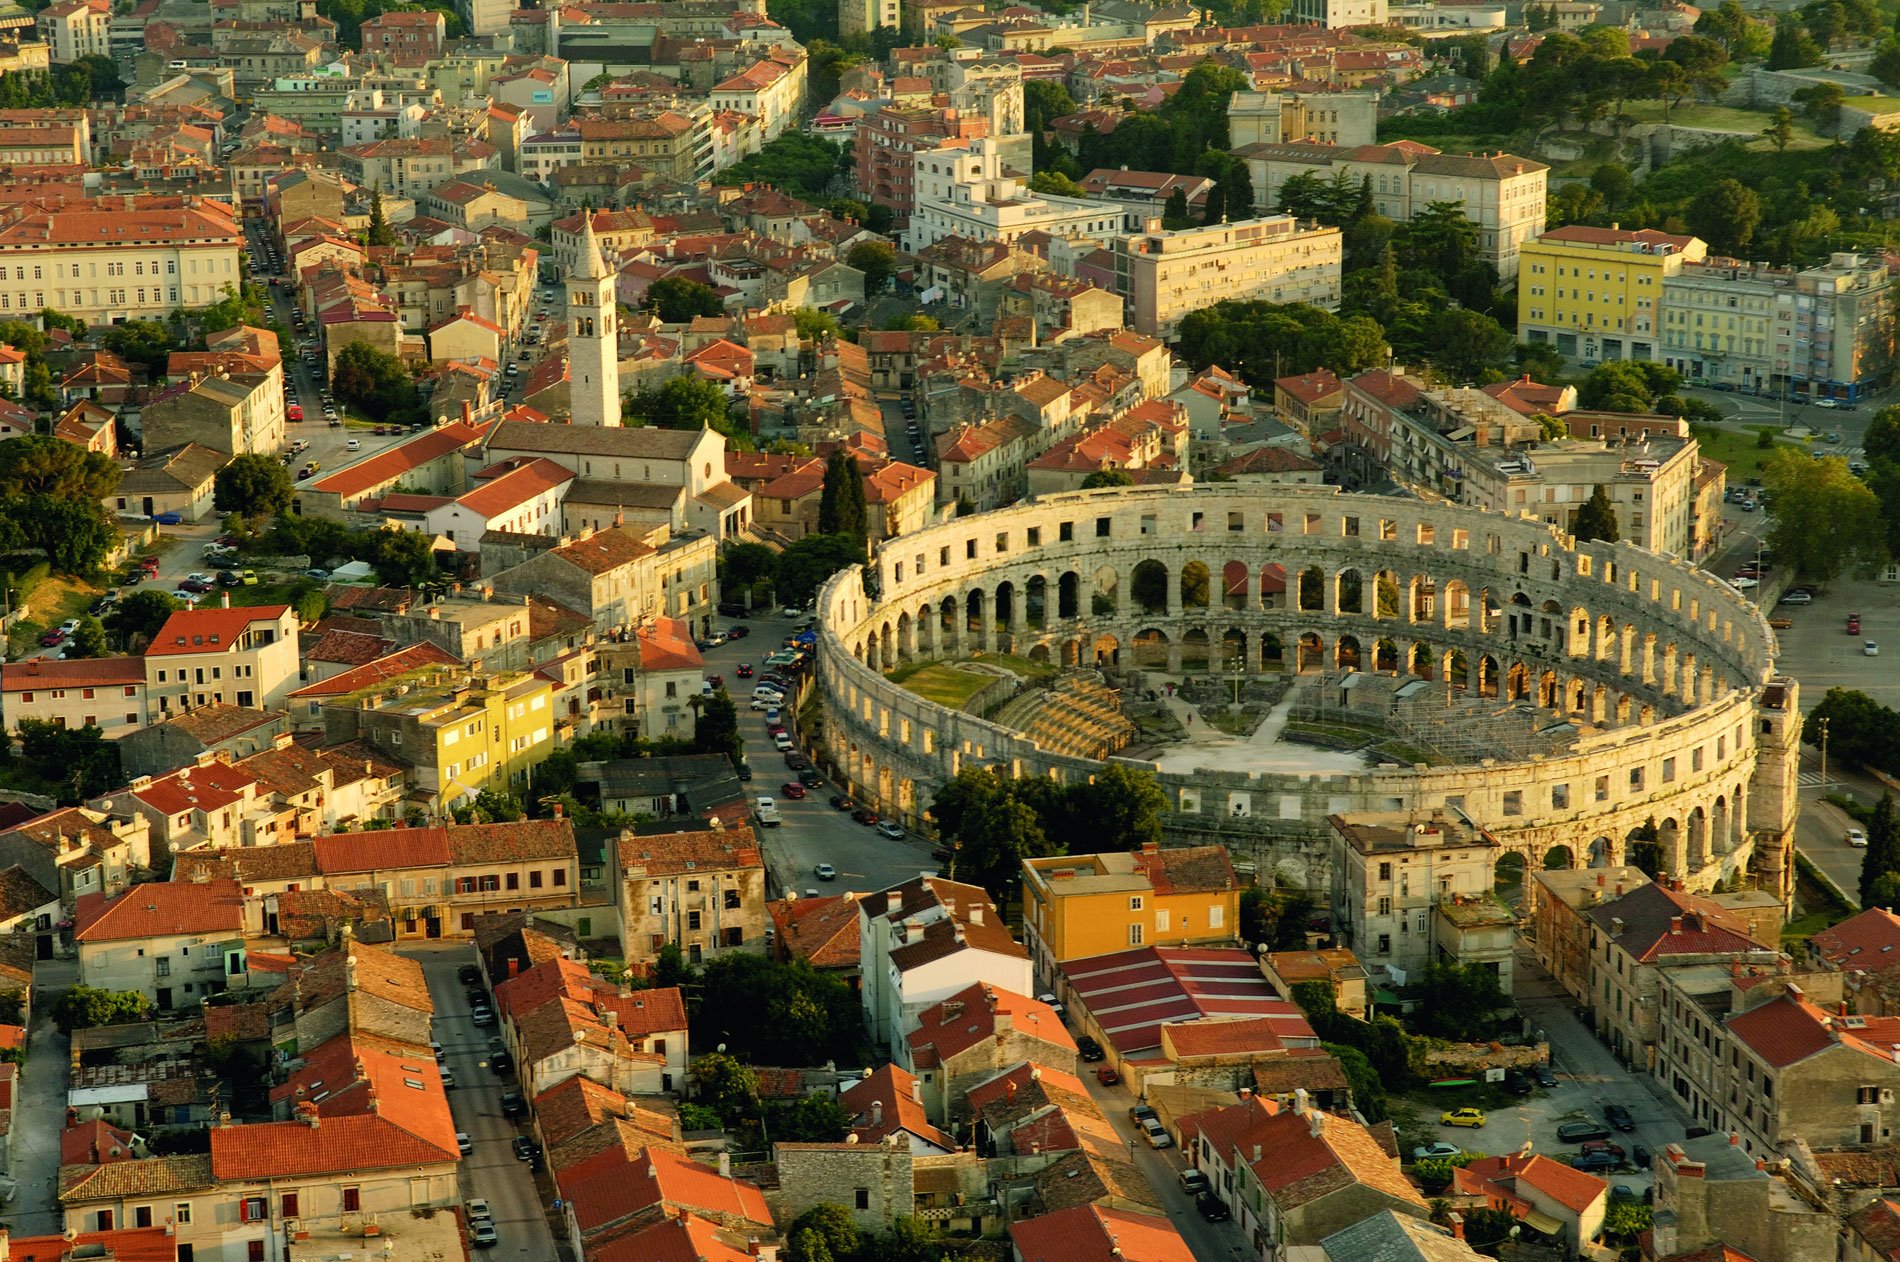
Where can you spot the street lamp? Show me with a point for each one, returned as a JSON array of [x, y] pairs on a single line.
[[1823, 722]]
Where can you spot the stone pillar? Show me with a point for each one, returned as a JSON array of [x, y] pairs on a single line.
[[1019, 608]]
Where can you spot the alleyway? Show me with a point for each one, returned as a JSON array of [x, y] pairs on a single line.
[[39, 1109]]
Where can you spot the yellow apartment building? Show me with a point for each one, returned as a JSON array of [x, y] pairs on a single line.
[[1077, 906], [1596, 293], [462, 732]]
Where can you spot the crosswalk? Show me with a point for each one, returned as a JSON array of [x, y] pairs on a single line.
[[1813, 780]]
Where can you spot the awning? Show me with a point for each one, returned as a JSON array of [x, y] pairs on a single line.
[[1543, 1223]]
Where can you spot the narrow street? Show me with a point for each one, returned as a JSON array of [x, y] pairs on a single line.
[[39, 1109], [492, 1170], [1210, 1242]]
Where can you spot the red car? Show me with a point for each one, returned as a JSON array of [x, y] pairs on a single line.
[[717, 681], [52, 637], [744, 671], [1853, 624], [1106, 1075], [792, 789]]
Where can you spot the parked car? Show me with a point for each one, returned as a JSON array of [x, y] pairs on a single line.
[[482, 1017], [512, 1105], [469, 975], [1798, 598], [1106, 1075], [825, 872], [1518, 1083], [1857, 836], [1212, 1208], [891, 830], [1545, 1078], [1578, 1132], [865, 816], [1594, 1161], [1441, 1150], [793, 790], [1138, 1112], [1618, 1116], [1090, 1050], [1193, 1182], [1603, 1145], [483, 1235], [1466, 1116], [463, 1144], [477, 1210], [839, 802], [1155, 1133]]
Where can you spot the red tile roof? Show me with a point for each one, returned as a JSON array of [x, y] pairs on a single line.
[[688, 1238], [1789, 1029], [1584, 235], [1131, 993], [666, 644], [210, 630], [382, 849], [392, 462], [887, 1102], [159, 909], [415, 657], [607, 1188], [95, 672], [1575, 1190], [1870, 940], [974, 1014], [1096, 1233], [507, 491], [126, 1244]]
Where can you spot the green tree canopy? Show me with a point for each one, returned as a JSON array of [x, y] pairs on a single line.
[[136, 619], [84, 1007], [1883, 851], [806, 563], [795, 162], [1826, 520], [1107, 477], [377, 384], [688, 403], [876, 260], [253, 484], [88, 639], [841, 503], [1725, 215], [1596, 520], [677, 300]]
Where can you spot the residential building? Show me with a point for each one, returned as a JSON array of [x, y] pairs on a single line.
[[105, 262], [521, 496], [1652, 931], [459, 734], [1502, 194], [974, 1035], [1095, 904], [1399, 1238], [1865, 950], [861, 17], [189, 735], [241, 657], [1335, 966], [1822, 332], [1097, 1233], [1554, 1200], [75, 851], [1561, 899], [412, 167], [561, 1021], [1334, 14], [967, 193], [925, 940], [1165, 274], [72, 29], [887, 1107], [1346, 119], [1613, 312], [414, 34], [889, 139], [180, 480], [103, 692], [1408, 893], [1311, 1174], [608, 575], [700, 891], [174, 942], [226, 414], [1713, 1199], [664, 142], [441, 880]]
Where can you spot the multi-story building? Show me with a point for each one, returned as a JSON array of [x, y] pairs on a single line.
[[1165, 274], [1597, 293], [1408, 893], [1501, 193], [485, 17], [217, 411], [439, 880], [1348, 119], [922, 942], [175, 942], [103, 261], [703, 892], [889, 139], [1825, 331], [770, 91], [861, 17], [103, 692], [240, 657], [412, 167], [1334, 14], [459, 734], [72, 29], [415, 34], [1094, 904], [965, 192], [665, 142]]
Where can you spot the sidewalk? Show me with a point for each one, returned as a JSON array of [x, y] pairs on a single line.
[[39, 1109]]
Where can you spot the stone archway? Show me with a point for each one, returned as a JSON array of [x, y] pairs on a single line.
[[1036, 602], [1105, 599], [1602, 853], [1148, 586], [1194, 649], [1312, 590], [1151, 649], [1312, 652], [1068, 595], [1196, 585], [1272, 652], [1507, 875], [1559, 859], [1346, 654], [1385, 657], [1108, 652]]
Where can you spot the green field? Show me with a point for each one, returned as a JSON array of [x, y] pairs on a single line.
[[951, 688], [1735, 449]]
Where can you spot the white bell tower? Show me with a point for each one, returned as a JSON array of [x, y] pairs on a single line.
[[593, 344]]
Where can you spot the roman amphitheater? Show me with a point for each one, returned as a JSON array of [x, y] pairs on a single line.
[[1279, 655]]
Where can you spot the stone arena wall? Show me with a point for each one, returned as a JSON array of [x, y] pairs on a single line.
[[1667, 672]]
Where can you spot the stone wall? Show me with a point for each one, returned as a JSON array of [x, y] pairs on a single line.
[[1662, 668]]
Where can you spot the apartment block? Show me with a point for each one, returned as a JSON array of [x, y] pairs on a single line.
[[73, 29], [108, 259], [1824, 332], [1164, 274], [240, 657], [968, 193], [1407, 893], [1095, 904], [460, 733], [1597, 293], [103, 692], [888, 141], [702, 891]]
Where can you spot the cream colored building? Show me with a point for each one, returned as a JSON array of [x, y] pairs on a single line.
[[72, 29], [104, 265], [240, 657], [1335, 14], [1504, 195], [1165, 275], [1403, 889], [104, 692], [702, 891], [964, 192], [1321, 118]]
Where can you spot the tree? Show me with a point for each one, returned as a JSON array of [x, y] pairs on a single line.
[[1459, 1000], [1626, 1219], [797, 162], [1122, 804], [811, 1119], [806, 1245], [1613, 182], [147, 342], [1826, 520], [806, 563], [716, 727], [1792, 47], [689, 403], [725, 1085], [744, 564], [379, 232], [1596, 520], [1886, 63], [841, 503], [88, 639], [38, 465], [1056, 184], [1883, 849], [1107, 477], [1470, 344], [376, 383], [136, 619], [876, 260], [1822, 104], [254, 485], [1176, 211], [1626, 385], [85, 1007], [775, 1014], [814, 325], [1780, 129], [834, 1225], [677, 300], [1725, 215]]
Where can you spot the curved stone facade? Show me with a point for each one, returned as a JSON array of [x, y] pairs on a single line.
[[1668, 672]]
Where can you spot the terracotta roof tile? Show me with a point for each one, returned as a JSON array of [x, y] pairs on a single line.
[[210, 630], [1096, 1233], [159, 909]]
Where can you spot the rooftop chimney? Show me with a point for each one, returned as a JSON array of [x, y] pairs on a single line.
[[1675, 924], [877, 1113]]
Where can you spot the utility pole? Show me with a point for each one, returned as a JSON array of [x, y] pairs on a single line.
[[1823, 722]]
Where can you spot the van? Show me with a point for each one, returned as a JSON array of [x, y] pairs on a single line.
[[767, 811], [765, 692]]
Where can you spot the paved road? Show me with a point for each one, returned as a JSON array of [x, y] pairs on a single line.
[[1209, 1242], [39, 1109], [491, 1171], [813, 832]]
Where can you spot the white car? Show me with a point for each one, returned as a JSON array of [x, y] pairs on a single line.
[[789, 612], [782, 743], [1869, 649], [1857, 837], [1826, 403], [1743, 584], [765, 703], [463, 1144], [477, 1210], [355, 444]]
